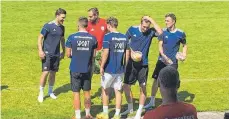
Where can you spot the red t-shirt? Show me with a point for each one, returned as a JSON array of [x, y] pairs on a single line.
[[98, 30], [178, 110]]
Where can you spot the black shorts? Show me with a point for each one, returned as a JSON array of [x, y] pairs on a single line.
[[80, 81], [136, 72], [160, 65], [50, 63]]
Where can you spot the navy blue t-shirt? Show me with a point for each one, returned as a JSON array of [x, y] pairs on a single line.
[[117, 43], [171, 43], [82, 45], [52, 34], [140, 41]]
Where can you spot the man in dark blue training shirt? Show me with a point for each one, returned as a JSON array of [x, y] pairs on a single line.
[[52, 35], [115, 55], [169, 44], [140, 40], [81, 48]]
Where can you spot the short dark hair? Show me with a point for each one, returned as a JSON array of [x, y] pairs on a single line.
[[83, 21], [173, 16], [60, 11], [113, 22], [94, 10], [169, 77]]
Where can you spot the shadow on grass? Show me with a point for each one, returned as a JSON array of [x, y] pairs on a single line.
[[63, 89], [136, 105], [4, 87], [185, 96], [99, 92]]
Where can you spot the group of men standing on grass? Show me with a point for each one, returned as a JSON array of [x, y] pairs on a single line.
[[98, 47]]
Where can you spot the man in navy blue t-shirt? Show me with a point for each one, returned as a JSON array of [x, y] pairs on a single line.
[[169, 44], [140, 40], [80, 47], [52, 35], [115, 56]]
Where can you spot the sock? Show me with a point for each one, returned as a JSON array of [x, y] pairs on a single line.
[[152, 99], [50, 89], [140, 108], [87, 111], [105, 109], [130, 106], [41, 89], [77, 113], [139, 111], [117, 111]]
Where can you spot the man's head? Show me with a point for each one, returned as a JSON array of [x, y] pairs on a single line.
[[145, 24], [112, 23], [169, 82], [170, 20], [60, 15], [82, 22], [93, 14]]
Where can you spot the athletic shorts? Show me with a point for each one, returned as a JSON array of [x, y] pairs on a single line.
[[112, 80], [80, 81], [136, 72], [160, 65], [51, 63]]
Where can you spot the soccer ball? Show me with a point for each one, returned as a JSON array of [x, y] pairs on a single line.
[[180, 56], [136, 56]]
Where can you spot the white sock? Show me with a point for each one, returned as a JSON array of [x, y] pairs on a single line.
[[130, 106], [87, 111], [117, 112], [152, 99], [77, 113], [140, 108], [105, 109], [50, 89], [41, 89], [139, 111]]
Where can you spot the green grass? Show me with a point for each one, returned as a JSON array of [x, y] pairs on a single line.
[[204, 76]]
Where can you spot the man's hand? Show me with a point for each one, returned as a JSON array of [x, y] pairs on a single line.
[[167, 60], [41, 54], [101, 71], [62, 55], [149, 18]]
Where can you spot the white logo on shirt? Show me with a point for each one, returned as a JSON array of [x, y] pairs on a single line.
[[54, 29], [134, 35], [92, 29], [166, 36], [102, 28]]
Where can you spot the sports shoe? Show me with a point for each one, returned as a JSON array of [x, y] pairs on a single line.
[[102, 116], [52, 96], [128, 111], [40, 97]]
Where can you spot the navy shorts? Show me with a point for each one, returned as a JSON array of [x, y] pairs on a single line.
[[51, 63], [80, 81], [135, 71], [160, 65]]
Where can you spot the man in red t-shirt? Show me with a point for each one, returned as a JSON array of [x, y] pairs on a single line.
[[98, 28], [171, 108]]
